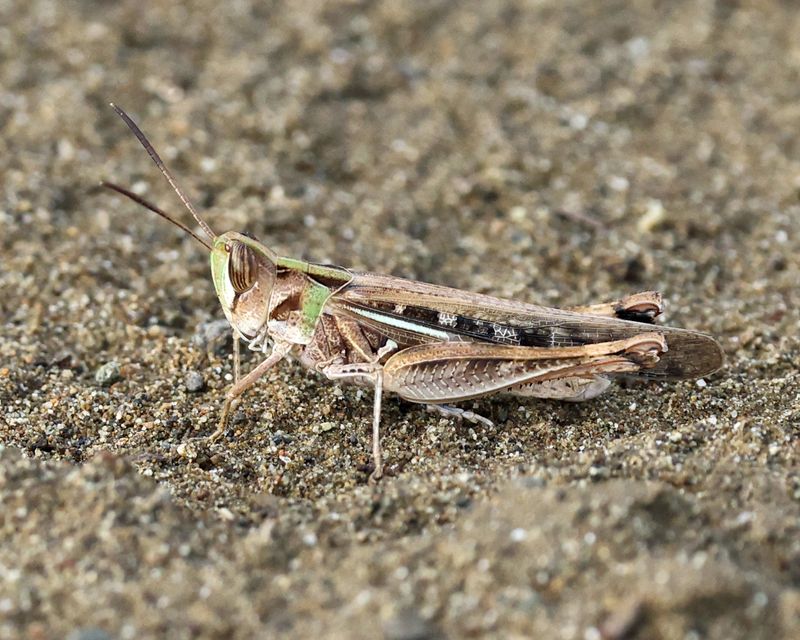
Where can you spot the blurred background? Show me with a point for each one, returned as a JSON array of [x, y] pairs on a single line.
[[554, 152]]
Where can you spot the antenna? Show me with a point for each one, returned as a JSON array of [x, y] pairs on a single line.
[[162, 167], [147, 205]]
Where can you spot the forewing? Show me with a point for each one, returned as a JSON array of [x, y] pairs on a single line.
[[412, 312]]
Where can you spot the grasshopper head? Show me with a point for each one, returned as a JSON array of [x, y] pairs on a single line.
[[243, 271]]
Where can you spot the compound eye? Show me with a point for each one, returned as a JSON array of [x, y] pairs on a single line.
[[242, 266]]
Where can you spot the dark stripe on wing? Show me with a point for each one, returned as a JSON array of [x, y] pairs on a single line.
[[549, 333]]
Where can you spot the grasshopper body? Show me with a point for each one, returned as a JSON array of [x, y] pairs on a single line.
[[427, 343]]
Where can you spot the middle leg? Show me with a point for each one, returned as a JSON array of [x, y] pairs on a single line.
[[571, 389], [373, 372]]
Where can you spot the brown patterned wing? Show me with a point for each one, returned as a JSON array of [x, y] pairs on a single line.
[[412, 312]]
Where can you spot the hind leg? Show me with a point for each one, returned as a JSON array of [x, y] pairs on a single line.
[[570, 389], [449, 411], [640, 307]]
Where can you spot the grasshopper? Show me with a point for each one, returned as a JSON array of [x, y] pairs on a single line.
[[426, 343]]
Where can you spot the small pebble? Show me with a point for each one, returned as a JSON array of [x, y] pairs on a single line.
[[213, 336], [518, 535], [89, 633], [186, 450], [653, 216], [194, 381], [279, 437], [310, 539], [408, 625], [108, 374]]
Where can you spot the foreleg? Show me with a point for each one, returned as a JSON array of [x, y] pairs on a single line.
[[279, 351]]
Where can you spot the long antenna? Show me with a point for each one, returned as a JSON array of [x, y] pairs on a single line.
[[163, 168], [148, 205]]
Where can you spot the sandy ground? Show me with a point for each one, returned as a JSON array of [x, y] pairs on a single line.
[[557, 152]]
